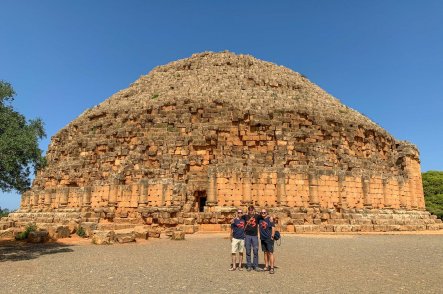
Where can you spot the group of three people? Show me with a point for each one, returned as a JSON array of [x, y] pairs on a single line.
[[244, 234]]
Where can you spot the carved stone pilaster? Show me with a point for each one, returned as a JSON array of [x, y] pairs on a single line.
[[412, 194], [143, 195], [313, 190], [212, 190], [366, 188], [246, 190], [86, 201], [342, 197], [281, 190], [386, 200]]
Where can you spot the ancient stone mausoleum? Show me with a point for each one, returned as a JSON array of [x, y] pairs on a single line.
[[188, 143]]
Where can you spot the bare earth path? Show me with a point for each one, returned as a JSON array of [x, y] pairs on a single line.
[[306, 264]]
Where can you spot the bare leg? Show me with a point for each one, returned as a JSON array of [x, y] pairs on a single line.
[[240, 257], [271, 259], [233, 260], [265, 254], [271, 262]]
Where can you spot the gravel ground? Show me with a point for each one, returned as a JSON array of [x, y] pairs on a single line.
[[306, 264]]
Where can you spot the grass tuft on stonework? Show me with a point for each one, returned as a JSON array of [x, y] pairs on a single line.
[[24, 235]]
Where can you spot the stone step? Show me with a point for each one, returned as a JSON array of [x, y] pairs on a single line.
[[359, 228], [327, 220], [6, 224], [114, 226]]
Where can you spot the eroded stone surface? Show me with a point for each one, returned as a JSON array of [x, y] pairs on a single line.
[[38, 237], [125, 235], [59, 231], [142, 232], [178, 235], [7, 234], [103, 237]]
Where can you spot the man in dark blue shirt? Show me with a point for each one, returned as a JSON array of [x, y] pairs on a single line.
[[251, 238], [267, 231], [237, 240]]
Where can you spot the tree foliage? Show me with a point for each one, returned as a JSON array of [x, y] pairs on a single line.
[[4, 212], [433, 190], [19, 151]]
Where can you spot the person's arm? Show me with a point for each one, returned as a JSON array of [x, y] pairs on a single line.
[[258, 228], [247, 221], [271, 220], [231, 235]]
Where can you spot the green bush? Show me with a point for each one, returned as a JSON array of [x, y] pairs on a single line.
[[81, 232], [4, 212], [24, 235], [433, 190]]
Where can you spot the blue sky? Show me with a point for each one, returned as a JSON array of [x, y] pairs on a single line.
[[382, 58]]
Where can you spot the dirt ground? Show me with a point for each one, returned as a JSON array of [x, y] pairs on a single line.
[[320, 263]]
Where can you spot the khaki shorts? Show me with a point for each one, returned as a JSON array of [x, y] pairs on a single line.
[[237, 245]]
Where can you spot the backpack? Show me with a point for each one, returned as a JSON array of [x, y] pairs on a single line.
[[277, 238]]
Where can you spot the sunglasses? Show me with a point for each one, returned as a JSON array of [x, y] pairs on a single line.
[[263, 212]]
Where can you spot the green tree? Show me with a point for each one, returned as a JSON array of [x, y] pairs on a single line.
[[433, 190], [19, 151], [4, 212]]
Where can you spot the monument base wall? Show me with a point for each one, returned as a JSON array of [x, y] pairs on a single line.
[[292, 220]]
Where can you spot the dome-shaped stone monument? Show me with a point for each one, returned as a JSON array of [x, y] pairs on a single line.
[[187, 143]]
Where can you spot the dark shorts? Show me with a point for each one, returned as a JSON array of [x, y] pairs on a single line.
[[267, 245]]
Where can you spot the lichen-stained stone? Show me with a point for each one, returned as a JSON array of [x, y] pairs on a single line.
[[72, 226], [38, 237], [178, 235], [58, 232], [125, 235], [141, 232], [7, 234], [205, 135], [6, 224], [105, 237], [188, 229], [154, 231], [89, 228]]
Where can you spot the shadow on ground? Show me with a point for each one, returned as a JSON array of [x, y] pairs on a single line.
[[16, 250]]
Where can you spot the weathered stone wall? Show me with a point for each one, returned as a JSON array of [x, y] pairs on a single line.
[[324, 170], [267, 189]]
